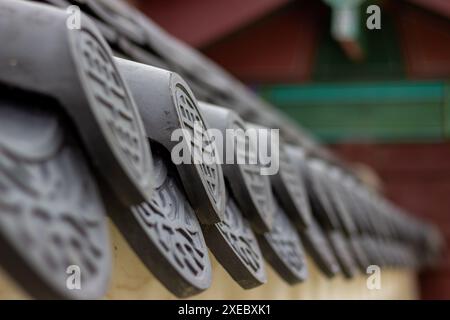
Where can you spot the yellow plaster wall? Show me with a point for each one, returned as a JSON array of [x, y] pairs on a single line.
[[131, 280]]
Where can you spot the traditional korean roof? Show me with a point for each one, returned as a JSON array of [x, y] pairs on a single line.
[[85, 134]]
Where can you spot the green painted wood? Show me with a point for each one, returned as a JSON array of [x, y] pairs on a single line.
[[394, 111], [446, 109], [397, 135], [383, 57], [354, 93]]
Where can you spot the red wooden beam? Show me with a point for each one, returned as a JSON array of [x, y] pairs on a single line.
[[200, 22], [280, 48], [441, 7], [425, 41]]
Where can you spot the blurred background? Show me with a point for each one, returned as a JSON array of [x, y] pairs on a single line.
[[375, 96]]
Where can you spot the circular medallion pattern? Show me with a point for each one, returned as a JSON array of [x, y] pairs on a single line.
[[167, 236], [318, 247], [257, 201], [204, 155], [115, 112], [283, 249], [291, 191], [235, 246], [52, 220]]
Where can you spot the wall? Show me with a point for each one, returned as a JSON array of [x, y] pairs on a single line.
[[131, 280]]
